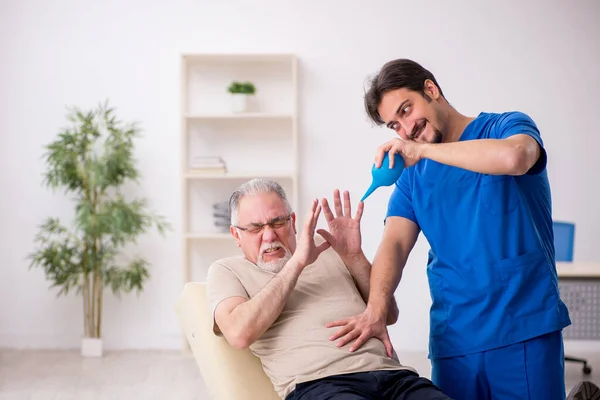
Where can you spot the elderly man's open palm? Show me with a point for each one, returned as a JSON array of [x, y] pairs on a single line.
[[344, 230]]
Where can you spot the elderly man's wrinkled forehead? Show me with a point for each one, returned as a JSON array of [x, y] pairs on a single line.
[[261, 207]]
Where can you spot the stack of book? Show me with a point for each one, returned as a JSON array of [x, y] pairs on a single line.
[[221, 216], [207, 165]]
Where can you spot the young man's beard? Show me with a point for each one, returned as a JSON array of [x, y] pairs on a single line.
[[420, 128], [437, 136]]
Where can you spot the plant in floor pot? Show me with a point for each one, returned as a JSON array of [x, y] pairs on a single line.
[[240, 93], [91, 161]]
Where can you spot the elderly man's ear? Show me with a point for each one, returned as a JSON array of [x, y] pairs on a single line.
[[236, 235]]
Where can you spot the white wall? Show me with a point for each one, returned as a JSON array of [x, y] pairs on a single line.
[[539, 57]]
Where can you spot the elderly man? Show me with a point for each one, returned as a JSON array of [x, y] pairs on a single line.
[[279, 297]]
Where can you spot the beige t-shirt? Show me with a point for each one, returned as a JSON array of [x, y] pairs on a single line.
[[296, 348]]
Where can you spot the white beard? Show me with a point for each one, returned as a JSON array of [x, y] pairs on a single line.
[[276, 265]]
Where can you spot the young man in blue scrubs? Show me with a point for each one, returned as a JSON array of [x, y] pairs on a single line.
[[478, 190]]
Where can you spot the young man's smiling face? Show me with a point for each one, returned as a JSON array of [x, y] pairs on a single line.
[[412, 115]]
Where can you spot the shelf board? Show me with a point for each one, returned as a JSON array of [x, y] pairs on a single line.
[[208, 235], [238, 175], [239, 57], [240, 116]]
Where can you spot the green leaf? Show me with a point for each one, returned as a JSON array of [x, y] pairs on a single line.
[[241, 87], [58, 255], [129, 278]]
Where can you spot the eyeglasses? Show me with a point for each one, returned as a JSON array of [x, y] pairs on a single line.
[[276, 223]]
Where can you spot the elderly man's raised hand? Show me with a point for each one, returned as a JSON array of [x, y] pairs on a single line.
[[307, 251], [344, 230]]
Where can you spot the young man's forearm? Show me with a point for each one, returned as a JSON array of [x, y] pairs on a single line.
[[385, 276], [253, 317], [513, 156], [360, 269]]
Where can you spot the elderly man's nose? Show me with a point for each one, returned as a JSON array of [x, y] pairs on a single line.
[[269, 233]]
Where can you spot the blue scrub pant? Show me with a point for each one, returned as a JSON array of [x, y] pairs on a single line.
[[530, 370]]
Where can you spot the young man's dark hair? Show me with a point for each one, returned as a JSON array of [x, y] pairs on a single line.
[[396, 74]]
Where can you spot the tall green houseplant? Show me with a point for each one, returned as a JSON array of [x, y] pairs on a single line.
[[92, 160]]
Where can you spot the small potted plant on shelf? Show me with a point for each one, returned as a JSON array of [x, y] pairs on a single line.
[[240, 92], [92, 160]]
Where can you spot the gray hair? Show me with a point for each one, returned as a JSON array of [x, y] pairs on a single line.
[[253, 187]]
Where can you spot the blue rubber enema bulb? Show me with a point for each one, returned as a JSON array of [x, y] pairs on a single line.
[[384, 175]]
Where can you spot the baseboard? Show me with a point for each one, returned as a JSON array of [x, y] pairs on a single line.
[[175, 342], [576, 347], [16, 341], [73, 342]]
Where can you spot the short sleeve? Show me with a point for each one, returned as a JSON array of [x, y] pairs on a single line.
[[222, 283], [400, 203], [515, 123]]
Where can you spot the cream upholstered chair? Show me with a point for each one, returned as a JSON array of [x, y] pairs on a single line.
[[229, 374]]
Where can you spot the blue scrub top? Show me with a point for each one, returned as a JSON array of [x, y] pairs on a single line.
[[491, 267]]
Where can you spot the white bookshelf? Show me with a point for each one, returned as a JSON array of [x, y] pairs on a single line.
[[248, 115], [262, 142]]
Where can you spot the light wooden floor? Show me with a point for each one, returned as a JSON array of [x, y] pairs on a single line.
[[139, 375], [62, 375]]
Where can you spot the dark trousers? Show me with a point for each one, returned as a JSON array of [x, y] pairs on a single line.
[[375, 385]]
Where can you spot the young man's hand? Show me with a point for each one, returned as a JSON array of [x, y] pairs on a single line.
[[411, 152], [361, 328]]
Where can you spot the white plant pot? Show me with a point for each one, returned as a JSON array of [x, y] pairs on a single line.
[[91, 347], [239, 102]]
